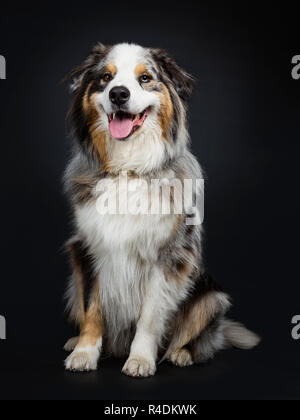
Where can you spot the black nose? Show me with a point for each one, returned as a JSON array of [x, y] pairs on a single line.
[[119, 95]]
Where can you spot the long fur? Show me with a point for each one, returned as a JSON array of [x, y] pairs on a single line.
[[138, 288]]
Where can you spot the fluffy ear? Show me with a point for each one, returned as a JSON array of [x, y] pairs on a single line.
[[182, 81], [75, 77]]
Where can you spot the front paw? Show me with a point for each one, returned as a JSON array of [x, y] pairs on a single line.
[[82, 360], [139, 367]]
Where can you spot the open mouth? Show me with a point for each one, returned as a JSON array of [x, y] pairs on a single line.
[[122, 124]]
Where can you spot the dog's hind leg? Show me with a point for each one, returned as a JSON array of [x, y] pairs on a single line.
[[200, 329], [181, 358], [195, 319], [84, 306]]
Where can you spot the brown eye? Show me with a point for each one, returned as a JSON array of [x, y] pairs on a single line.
[[145, 78], [107, 77]]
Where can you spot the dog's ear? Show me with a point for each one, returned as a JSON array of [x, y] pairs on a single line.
[[76, 76], [182, 81]]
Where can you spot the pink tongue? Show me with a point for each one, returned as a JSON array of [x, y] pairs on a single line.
[[120, 128]]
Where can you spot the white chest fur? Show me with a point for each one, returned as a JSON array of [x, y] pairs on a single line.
[[124, 217], [124, 248]]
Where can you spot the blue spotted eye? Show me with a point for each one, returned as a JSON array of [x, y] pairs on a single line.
[[145, 78]]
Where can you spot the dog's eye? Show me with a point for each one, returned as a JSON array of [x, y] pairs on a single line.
[[107, 77], [145, 78]]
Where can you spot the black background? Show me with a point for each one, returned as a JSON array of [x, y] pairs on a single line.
[[244, 122]]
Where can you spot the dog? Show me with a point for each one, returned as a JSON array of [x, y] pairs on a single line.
[[139, 289]]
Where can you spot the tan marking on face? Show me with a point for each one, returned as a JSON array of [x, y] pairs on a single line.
[[85, 102], [166, 110], [99, 141], [141, 69], [111, 68], [98, 136]]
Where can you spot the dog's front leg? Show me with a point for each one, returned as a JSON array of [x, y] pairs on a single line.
[[89, 344], [158, 304], [85, 306]]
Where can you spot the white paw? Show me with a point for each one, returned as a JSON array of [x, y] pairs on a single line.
[[71, 344], [181, 358], [83, 360], [138, 367]]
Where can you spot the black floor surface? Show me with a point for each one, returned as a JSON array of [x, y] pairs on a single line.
[[32, 368]]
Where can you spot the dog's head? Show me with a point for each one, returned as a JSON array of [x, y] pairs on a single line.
[[133, 95]]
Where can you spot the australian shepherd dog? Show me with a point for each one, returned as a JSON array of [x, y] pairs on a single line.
[[138, 289]]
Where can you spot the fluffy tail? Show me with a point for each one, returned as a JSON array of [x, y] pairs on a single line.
[[239, 336], [220, 335]]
